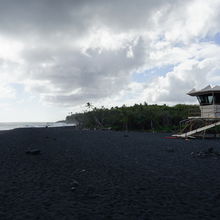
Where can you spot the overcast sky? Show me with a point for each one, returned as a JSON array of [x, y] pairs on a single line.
[[55, 55]]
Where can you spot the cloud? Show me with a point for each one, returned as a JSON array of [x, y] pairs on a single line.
[[75, 76], [72, 52], [197, 70]]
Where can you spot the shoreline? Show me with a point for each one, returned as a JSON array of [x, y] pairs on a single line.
[[4, 126]]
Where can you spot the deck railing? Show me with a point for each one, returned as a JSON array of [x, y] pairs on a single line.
[[194, 113]]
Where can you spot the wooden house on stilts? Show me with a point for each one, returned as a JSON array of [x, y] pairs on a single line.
[[209, 101]]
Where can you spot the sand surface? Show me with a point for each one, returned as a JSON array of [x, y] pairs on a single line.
[[106, 175]]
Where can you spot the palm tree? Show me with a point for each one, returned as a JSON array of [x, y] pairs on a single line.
[[89, 106]]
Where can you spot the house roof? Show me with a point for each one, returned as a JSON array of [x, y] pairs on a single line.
[[207, 89]]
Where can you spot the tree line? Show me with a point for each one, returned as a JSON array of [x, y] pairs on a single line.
[[137, 117]]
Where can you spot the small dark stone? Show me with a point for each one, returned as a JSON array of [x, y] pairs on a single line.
[[33, 151], [82, 171], [74, 183], [210, 150], [73, 188], [125, 135], [209, 153], [142, 188], [202, 154]]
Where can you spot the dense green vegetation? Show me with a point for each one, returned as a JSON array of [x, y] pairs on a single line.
[[137, 117]]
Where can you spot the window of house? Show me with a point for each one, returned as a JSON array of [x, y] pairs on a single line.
[[217, 98], [206, 99]]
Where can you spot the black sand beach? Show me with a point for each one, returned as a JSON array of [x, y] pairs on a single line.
[[106, 175]]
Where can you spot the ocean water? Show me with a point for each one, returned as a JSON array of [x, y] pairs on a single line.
[[13, 125]]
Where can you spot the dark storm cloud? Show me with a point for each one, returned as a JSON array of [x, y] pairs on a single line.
[[48, 29], [97, 74], [41, 17], [55, 15]]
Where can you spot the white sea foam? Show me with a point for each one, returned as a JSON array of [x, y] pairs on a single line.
[[13, 125]]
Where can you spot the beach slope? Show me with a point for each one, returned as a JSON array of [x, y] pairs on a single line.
[[106, 175]]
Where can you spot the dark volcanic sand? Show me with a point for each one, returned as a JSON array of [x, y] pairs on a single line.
[[105, 175]]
